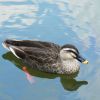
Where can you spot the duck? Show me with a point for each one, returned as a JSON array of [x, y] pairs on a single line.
[[46, 56]]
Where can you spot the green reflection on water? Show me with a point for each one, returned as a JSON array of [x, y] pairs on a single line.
[[68, 82]]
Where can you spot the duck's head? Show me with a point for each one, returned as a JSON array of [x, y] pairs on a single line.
[[70, 52]]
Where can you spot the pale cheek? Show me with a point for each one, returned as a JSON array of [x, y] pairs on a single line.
[[69, 56], [73, 55], [66, 56]]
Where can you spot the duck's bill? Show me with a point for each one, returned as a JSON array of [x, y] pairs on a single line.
[[82, 60], [85, 62]]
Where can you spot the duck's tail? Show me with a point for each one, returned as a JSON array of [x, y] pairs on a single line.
[[11, 46], [7, 43]]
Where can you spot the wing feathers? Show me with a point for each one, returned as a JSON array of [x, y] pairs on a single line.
[[17, 52]]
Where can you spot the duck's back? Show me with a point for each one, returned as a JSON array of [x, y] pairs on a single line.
[[36, 53], [30, 43]]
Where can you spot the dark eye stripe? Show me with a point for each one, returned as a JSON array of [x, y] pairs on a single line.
[[72, 52]]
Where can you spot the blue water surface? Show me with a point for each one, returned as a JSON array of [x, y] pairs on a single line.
[[60, 21]]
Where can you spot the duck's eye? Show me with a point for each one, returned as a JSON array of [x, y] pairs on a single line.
[[73, 54]]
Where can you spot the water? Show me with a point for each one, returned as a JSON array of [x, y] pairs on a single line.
[[59, 21]]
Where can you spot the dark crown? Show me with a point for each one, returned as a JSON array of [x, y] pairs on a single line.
[[70, 46]]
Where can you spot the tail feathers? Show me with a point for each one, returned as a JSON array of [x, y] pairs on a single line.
[[5, 46], [17, 52], [7, 43]]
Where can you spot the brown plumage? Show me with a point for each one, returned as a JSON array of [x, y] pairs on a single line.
[[45, 56]]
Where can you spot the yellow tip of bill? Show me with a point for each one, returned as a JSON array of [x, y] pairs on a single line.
[[85, 62]]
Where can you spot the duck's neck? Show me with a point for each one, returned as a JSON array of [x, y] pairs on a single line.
[[70, 66]]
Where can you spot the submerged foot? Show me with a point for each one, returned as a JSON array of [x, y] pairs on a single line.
[[28, 76]]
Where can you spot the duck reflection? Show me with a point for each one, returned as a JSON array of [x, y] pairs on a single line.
[[68, 82]]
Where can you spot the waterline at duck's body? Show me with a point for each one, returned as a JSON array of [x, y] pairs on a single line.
[[46, 56]]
